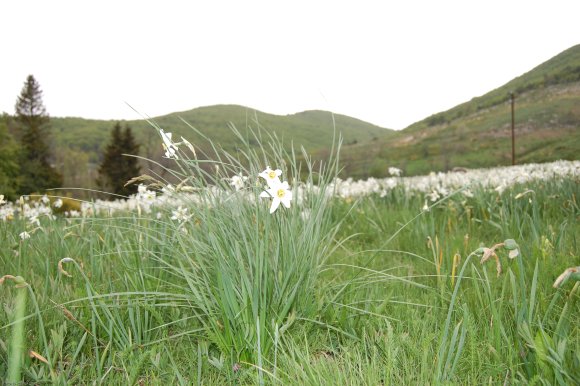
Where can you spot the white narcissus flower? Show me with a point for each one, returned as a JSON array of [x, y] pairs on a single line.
[[237, 181], [434, 196], [24, 235], [180, 214], [395, 171], [280, 194], [168, 145], [149, 196], [2, 200], [272, 177], [34, 220]]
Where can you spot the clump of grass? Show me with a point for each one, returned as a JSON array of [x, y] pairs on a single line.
[[249, 274]]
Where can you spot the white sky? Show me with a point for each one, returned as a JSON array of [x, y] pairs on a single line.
[[390, 63]]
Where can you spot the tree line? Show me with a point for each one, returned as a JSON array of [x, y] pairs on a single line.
[[27, 163]]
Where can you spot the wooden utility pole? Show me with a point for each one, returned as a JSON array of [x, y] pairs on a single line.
[[512, 97]]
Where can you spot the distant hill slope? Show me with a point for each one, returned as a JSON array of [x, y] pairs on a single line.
[[478, 133], [79, 143], [311, 129]]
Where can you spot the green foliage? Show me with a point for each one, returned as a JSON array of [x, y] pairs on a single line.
[[119, 165], [9, 167], [37, 174], [310, 129]]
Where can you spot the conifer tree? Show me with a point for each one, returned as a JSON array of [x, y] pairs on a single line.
[[116, 169], [131, 164], [37, 174]]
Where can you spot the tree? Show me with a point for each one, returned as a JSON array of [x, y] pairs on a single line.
[[9, 157], [37, 174], [116, 168]]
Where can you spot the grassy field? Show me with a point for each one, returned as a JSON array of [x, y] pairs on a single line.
[[369, 286]]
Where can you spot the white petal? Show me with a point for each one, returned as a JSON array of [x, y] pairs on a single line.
[[286, 200], [275, 205], [273, 183]]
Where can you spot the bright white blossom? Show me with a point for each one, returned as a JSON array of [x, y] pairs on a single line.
[[272, 177], [24, 235], [395, 171], [58, 203], [143, 194], [237, 181], [467, 193], [280, 194], [180, 214], [168, 145], [434, 196], [34, 220], [73, 213], [2, 200]]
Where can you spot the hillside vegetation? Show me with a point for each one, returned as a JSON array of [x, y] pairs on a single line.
[[311, 129], [473, 134], [478, 133], [79, 143]]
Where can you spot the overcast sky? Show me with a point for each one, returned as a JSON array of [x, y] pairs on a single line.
[[390, 63]]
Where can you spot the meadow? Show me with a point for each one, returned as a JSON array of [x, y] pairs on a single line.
[[263, 269]]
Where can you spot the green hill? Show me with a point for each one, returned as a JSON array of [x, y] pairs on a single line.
[[478, 133], [79, 143], [311, 129]]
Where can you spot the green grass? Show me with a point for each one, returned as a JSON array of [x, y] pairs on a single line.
[[372, 291]]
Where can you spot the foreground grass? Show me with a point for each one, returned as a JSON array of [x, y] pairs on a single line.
[[392, 299]]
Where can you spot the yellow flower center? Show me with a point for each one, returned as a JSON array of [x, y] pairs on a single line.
[[272, 174], [281, 193]]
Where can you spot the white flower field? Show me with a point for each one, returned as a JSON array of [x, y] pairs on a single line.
[[290, 275]]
